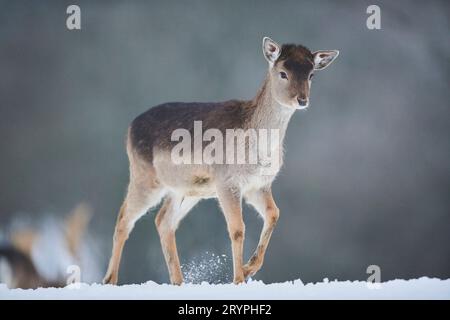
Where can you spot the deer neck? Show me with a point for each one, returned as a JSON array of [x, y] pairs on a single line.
[[269, 113]]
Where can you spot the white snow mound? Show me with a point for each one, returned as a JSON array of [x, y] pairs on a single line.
[[422, 288]]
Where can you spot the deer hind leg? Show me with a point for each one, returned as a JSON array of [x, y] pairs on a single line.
[[173, 210], [263, 202], [141, 196], [230, 201]]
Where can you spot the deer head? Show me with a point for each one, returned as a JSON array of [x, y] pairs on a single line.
[[291, 69]]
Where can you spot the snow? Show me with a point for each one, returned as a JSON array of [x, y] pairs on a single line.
[[422, 288]]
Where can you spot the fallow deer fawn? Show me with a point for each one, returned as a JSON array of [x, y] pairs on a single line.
[[154, 176]]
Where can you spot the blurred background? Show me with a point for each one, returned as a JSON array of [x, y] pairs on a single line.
[[367, 171]]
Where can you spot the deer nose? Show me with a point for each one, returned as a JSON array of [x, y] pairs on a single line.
[[302, 101]]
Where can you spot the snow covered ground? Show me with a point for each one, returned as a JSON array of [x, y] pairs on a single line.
[[423, 288]]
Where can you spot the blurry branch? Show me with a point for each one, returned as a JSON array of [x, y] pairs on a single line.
[[17, 268], [23, 240], [75, 227]]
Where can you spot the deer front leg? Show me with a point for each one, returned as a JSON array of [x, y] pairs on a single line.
[[230, 201], [263, 202]]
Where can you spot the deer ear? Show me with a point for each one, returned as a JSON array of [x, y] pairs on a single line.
[[323, 58], [271, 50]]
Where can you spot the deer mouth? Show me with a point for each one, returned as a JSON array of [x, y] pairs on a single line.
[[302, 107]]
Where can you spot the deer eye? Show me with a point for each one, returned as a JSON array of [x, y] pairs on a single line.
[[311, 76], [283, 75]]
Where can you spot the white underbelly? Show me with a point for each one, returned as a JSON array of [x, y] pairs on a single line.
[[201, 180]]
